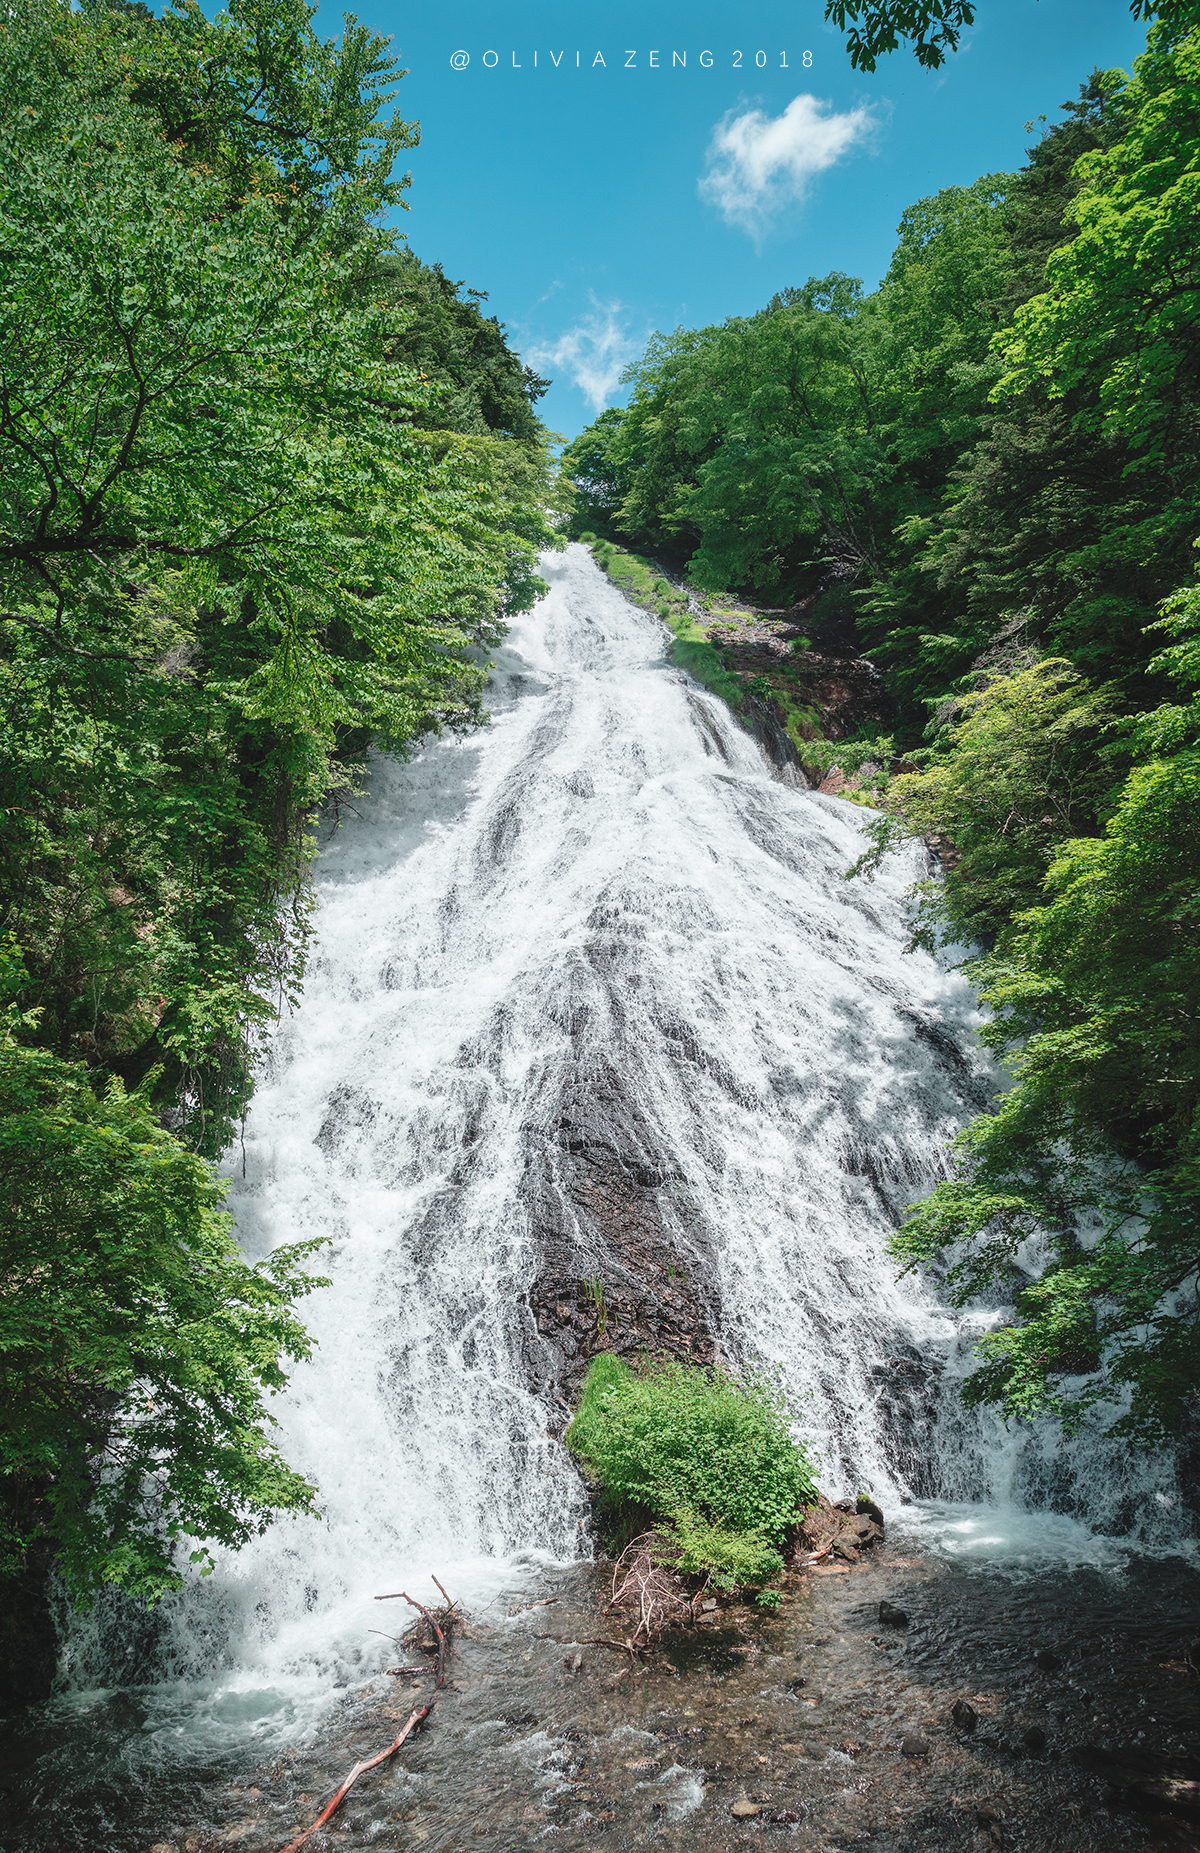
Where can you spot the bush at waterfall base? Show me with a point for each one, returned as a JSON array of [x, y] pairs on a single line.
[[707, 1456]]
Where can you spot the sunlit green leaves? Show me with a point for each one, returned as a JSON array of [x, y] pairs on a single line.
[[135, 1341]]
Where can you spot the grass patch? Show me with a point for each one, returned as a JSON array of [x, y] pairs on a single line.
[[707, 1456], [690, 649], [700, 659]]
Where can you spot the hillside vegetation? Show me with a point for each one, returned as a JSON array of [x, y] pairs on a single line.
[[983, 472]]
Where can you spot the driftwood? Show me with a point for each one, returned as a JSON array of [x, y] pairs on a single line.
[[648, 1582], [417, 1716], [414, 1639], [622, 1647]]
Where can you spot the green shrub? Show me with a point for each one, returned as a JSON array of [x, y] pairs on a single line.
[[707, 1455], [730, 1558]]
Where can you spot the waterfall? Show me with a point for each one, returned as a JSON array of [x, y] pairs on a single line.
[[598, 948]]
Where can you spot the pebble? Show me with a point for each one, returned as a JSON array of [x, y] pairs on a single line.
[[745, 1811], [914, 1747]]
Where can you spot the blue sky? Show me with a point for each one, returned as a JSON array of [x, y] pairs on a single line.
[[597, 202]]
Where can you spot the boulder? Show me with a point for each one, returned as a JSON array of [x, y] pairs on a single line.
[[1047, 1661], [891, 1616], [914, 1746], [963, 1717]]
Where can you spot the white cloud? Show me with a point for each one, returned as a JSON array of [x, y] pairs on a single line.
[[757, 164], [595, 352]]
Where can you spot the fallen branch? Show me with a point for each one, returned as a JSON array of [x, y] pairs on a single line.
[[622, 1647], [450, 1606], [651, 1583], [415, 1718], [400, 1596], [543, 1603]]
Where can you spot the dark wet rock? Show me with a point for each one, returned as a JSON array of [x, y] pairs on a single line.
[[868, 1509], [28, 1637], [914, 1746], [892, 1616], [783, 1817], [604, 1203], [1047, 1661], [1146, 1779], [963, 1717], [1035, 1740], [838, 1529]]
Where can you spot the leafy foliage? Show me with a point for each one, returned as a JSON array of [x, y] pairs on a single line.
[[136, 1343], [934, 26], [1015, 772], [236, 546], [1094, 1153], [709, 1454]]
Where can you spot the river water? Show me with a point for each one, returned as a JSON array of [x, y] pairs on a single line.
[[607, 911]]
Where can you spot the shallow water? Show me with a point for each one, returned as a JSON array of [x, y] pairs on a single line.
[[803, 1712], [603, 919]]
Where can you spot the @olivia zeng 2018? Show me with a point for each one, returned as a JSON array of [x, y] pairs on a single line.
[[627, 60]]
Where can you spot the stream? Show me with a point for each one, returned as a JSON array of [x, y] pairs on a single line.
[[590, 996]]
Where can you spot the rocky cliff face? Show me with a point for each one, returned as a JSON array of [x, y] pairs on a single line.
[[617, 1272]]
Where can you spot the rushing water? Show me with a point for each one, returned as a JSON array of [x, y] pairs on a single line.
[[604, 922]]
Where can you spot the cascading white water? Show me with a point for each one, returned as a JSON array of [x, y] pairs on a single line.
[[608, 882]]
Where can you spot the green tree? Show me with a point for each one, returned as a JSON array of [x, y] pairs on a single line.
[[446, 338], [876, 27], [1122, 307], [136, 1344], [1093, 1155], [1015, 771], [230, 558], [244, 535]]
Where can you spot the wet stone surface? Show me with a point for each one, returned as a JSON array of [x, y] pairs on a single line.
[[817, 1725]]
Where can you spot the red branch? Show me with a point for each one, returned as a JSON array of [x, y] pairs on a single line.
[[418, 1716], [415, 1718]]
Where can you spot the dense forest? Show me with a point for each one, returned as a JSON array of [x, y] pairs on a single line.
[[984, 474], [269, 488]]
